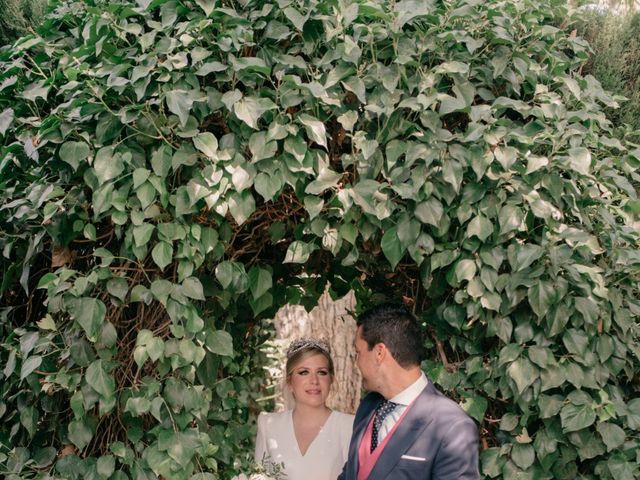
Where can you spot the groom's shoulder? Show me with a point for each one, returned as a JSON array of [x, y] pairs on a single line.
[[445, 410]]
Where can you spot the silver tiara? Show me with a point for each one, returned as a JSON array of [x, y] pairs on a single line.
[[308, 343]]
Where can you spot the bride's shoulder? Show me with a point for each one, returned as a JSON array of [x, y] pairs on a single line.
[[271, 417], [343, 417]]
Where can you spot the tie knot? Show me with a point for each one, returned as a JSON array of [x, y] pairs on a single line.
[[384, 409]]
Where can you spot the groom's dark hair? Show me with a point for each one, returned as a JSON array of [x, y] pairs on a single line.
[[396, 327]]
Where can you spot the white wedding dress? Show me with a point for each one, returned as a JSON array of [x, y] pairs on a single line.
[[324, 458]]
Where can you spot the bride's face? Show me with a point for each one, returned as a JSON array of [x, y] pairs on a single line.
[[310, 380]]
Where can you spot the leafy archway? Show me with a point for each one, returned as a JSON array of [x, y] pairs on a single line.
[[174, 171]]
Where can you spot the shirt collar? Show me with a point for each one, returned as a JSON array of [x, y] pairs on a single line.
[[410, 393]]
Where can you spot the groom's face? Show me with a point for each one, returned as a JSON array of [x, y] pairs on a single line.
[[365, 359]]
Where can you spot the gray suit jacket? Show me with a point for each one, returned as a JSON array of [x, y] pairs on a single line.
[[435, 440]]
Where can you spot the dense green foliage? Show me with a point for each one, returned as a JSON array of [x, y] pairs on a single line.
[[616, 61], [19, 17], [173, 172]]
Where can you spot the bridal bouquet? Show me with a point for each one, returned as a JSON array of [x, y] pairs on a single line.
[[267, 470]]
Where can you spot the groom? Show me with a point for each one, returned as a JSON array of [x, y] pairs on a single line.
[[404, 428]]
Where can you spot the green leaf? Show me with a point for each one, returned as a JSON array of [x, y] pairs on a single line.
[[99, 379], [475, 406], [452, 174], [522, 256], [250, 109], [268, 186], [162, 254], [604, 347], [523, 455], [510, 219], [6, 119], [36, 90], [299, 252], [80, 433], [108, 165], [465, 270], [295, 17], [220, 343], [612, 435], [179, 102], [207, 143], [315, 129], [161, 161], [137, 406], [523, 372], [429, 212], [509, 422], [29, 365], [105, 466], [241, 206], [118, 287], [142, 234], [47, 323], [481, 227], [74, 153], [207, 6], [408, 10], [506, 156], [576, 417], [502, 327], [260, 282], [580, 160], [89, 313], [633, 414], [326, 178], [550, 405], [392, 247], [541, 295], [492, 461], [192, 288], [576, 341]]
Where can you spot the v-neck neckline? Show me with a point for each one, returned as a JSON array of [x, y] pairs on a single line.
[[295, 439]]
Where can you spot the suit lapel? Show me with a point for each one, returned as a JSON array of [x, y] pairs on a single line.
[[410, 428]]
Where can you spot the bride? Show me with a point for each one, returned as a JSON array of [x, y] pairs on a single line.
[[311, 441]]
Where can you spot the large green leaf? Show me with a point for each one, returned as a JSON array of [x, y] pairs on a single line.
[[241, 206], [523, 455], [523, 373], [392, 247], [6, 119], [612, 435], [207, 143], [162, 254], [576, 417], [179, 102], [29, 365], [100, 379], [299, 252], [315, 129], [89, 313], [220, 343], [192, 288], [74, 153], [541, 296], [260, 281], [79, 433]]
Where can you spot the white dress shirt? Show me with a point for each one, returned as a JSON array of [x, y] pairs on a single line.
[[403, 399]]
